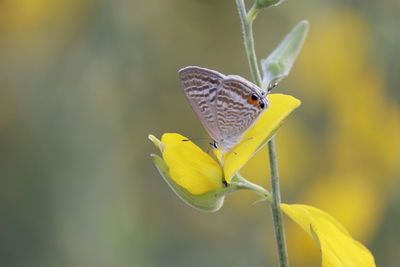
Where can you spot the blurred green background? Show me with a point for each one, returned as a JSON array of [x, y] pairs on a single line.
[[83, 82]]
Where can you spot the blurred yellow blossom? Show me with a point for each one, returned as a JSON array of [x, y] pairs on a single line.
[[357, 145], [348, 198]]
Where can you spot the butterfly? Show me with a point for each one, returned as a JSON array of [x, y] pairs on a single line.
[[227, 105]]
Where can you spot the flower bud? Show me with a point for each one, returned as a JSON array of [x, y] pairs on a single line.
[[279, 63], [267, 3]]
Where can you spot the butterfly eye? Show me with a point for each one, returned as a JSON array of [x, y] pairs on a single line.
[[261, 105], [254, 97]]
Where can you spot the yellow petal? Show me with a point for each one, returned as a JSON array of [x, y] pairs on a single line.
[[265, 127], [338, 248], [189, 166]]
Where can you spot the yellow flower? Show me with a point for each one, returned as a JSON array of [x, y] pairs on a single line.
[[337, 246], [189, 166], [188, 169]]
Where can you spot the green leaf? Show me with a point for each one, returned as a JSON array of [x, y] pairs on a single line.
[[210, 201], [279, 63]]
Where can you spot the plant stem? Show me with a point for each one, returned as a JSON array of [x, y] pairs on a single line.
[[247, 27], [247, 22], [275, 205]]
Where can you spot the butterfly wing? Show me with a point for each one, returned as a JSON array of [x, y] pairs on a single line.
[[200, 86], [239, 103]]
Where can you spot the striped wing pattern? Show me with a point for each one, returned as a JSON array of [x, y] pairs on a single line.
[[221, 103], [200, 86], [235, 115]]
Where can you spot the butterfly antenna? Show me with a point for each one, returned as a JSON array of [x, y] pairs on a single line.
[[272, 86], [196, 139]]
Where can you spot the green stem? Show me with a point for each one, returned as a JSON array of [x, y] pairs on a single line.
[[247, 22], [275, 205], [247, 27]]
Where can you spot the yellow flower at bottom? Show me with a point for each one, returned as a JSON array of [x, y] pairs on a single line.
[[338, 248], [189, 166]]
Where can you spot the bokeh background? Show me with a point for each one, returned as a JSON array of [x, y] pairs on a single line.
[[83, 82]]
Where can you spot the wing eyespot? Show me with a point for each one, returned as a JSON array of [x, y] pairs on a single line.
[[253, 99]]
